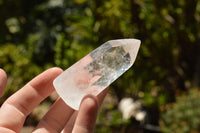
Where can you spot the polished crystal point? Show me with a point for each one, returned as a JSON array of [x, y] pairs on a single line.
[[93, 73]]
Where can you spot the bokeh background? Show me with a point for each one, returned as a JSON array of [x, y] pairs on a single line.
[[38, 34]]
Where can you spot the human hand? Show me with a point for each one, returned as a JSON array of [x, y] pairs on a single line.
[[60, 116]]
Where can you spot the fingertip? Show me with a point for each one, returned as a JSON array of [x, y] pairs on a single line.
[[56, 70], [3, 73], [3, 81], [91, 102]]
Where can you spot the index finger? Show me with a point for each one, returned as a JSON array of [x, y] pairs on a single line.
[[19, 105]]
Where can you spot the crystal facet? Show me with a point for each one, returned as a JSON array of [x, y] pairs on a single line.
[[93, 73]]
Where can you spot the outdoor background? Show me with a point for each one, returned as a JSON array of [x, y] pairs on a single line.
[[38, 34]]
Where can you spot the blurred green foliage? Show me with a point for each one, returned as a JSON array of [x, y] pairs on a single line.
[[36, 35], [183, 116], [18, 66]]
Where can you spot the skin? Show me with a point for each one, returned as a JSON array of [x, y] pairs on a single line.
[[60, 116]]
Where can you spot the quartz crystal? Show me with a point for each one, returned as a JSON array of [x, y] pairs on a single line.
[[93, 73]]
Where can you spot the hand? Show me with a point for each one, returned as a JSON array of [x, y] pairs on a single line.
[[60, 117]]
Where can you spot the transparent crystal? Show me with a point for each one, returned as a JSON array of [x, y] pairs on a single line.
[[93, 73]]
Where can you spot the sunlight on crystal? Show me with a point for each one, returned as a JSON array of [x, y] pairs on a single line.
[[93, 73]]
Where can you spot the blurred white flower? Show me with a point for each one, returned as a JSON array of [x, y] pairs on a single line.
[[131, 108]]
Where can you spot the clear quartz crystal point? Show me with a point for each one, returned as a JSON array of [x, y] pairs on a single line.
[[93, 73]]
